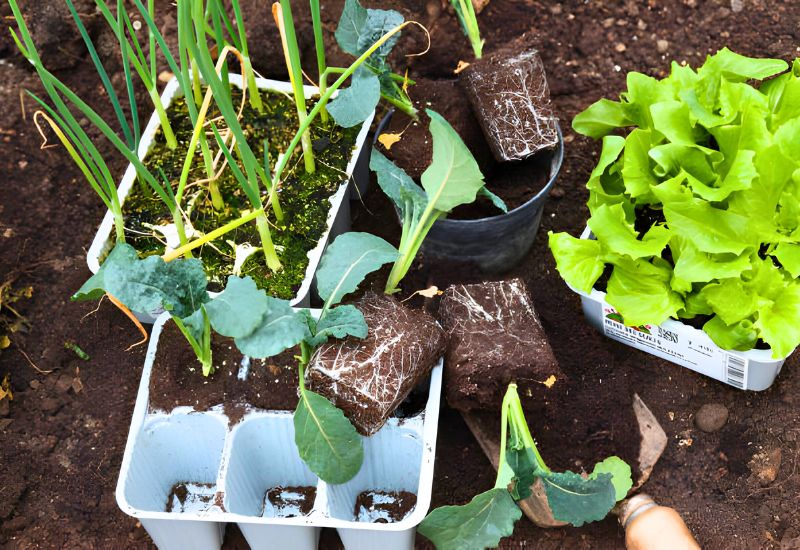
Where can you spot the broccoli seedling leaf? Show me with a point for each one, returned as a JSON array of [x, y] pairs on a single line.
[[354, 104], [453, 178], [237, 310], [578, 500], [339, 322], [499, 203], [620, 475], [95, 287], [347, 260], [397, 185], [279, 329], [481, 523], [326, 440]]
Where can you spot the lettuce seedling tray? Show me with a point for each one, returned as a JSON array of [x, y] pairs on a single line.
[[338, 221], [236, 465], [683, 345]]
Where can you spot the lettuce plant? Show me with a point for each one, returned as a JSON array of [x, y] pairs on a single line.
[[695, 210], [452, 179], [491, 515], [260, 325]]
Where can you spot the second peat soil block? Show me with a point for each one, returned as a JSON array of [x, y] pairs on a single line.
[[494, 337]]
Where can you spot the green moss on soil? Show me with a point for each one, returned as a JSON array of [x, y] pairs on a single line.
[[303, 197]]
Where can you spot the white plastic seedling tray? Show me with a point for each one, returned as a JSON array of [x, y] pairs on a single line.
[[338, 216], [683, 345], [243, 461]]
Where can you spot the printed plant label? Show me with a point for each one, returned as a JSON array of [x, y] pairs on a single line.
[[680, 344]]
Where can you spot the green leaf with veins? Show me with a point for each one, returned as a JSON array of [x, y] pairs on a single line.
[[481, 523], [578, 500], [640, 291], [353, 105], [579, 261], [609, 225], [777, 322], [239, 309], [741, 336], [496, 201], [326, 440], [346, 262], [279, 329], [339, 322], [393, 181], [620, 475], [94, 288], [600, 119], [152, 284], [788, 254], [453, 178], [351, 23]]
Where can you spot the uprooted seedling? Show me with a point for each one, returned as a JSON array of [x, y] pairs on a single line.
[[490, 516]]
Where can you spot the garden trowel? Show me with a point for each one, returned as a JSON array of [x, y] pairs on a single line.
[[535, 507]]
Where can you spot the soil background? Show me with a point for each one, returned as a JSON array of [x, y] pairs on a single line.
[[63, 435]]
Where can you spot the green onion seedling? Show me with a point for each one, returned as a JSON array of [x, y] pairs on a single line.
[[491, 515], [469, 24]]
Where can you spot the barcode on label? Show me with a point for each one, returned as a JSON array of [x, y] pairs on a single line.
[[735, 371]]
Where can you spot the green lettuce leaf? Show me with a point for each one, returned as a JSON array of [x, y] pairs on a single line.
[[641, 293], [579, 261]]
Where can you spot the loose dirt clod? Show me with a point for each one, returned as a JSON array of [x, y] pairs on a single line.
[[711, 417], [765, 465], [369, 378], [494, 337]]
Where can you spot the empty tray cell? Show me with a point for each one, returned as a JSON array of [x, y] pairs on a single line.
[[289, 502], [176, 458], [263, 457], [384, 506], [392, 461]]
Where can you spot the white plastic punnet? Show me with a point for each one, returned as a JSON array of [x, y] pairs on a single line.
[[238, 464], [338, 216], [683, 345]]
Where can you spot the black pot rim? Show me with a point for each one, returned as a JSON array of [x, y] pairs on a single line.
[[555, 169]]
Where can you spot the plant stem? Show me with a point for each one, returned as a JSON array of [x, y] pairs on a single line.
[[273, 262], [305, 357], [324, 98], [166, 128], [208, 237], [319, 45], [410, 246], [283, 17]]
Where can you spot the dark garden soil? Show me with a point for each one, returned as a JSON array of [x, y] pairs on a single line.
[[62, 437]]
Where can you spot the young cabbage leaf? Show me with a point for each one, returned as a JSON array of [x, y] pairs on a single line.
[[452, 179], [490, 516]]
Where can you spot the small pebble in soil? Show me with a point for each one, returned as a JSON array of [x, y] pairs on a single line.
[[737, 5], [662, 46], [711, 417]]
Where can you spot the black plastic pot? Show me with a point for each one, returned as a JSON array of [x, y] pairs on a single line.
[[493, 244]]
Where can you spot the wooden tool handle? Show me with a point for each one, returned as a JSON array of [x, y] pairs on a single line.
[[649, 526]]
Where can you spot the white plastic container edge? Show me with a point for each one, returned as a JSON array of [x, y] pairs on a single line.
[[103, 240], [683, 345], [210, 440]]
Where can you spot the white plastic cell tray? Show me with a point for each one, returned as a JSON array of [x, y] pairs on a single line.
[[243, 461]]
